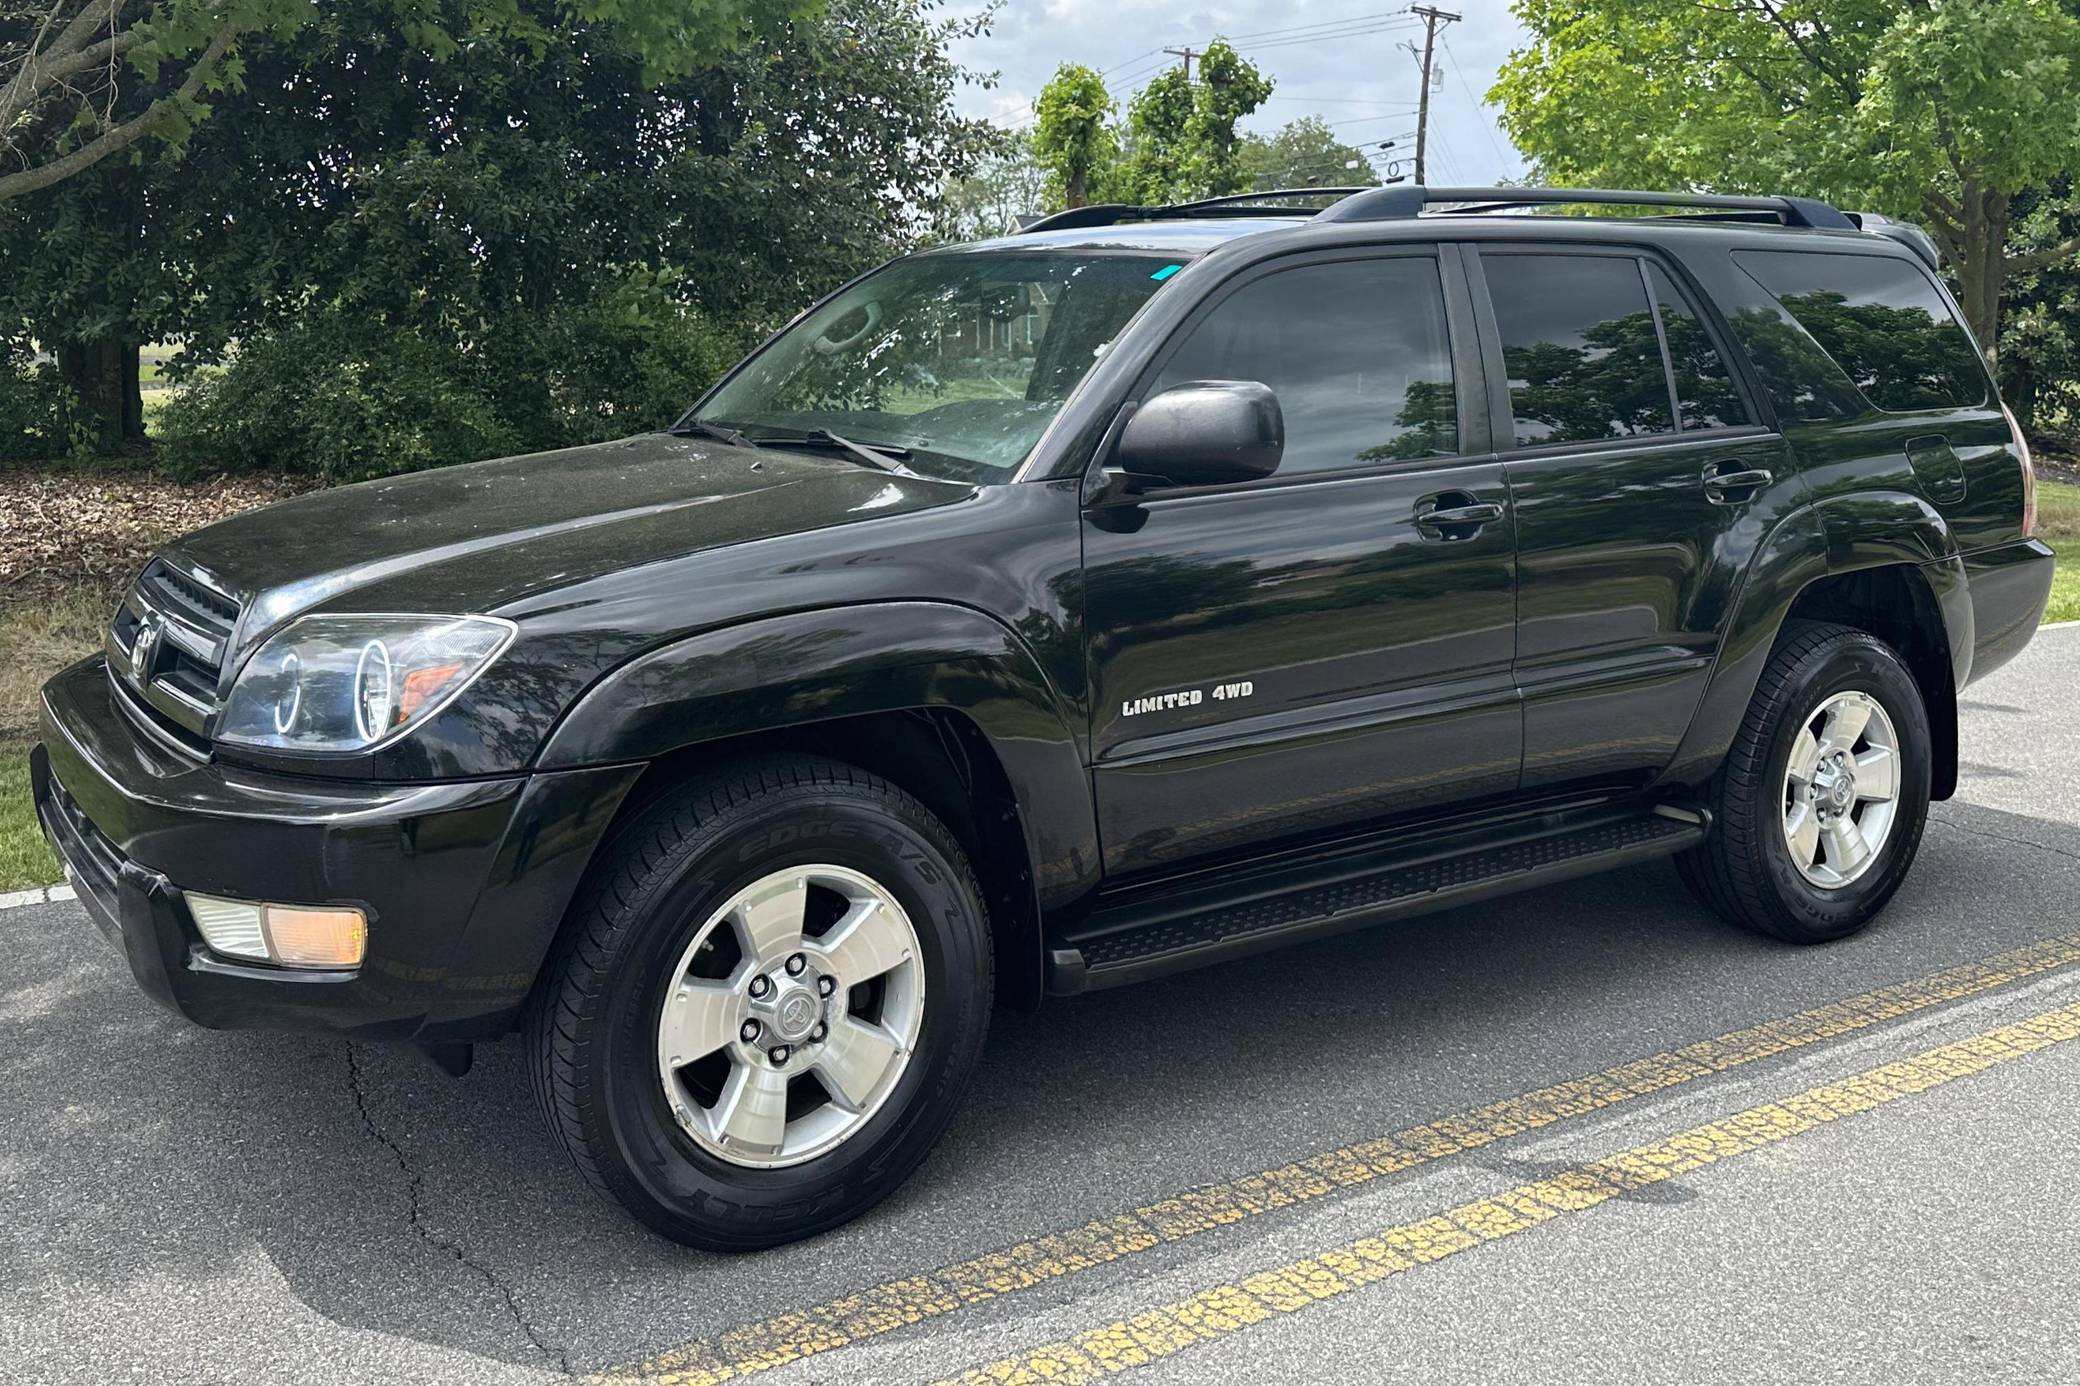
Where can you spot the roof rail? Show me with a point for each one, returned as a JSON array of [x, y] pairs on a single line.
[[1407, 200], [1112, 213], [1403, 200]]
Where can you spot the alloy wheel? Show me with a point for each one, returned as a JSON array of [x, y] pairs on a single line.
[[791, 1016], [1841, 788]]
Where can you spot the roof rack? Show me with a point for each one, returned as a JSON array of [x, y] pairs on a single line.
[[1408, 200], [1405, 200], [1112, 213]]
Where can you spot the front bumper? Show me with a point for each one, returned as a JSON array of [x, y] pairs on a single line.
[[464, 883]]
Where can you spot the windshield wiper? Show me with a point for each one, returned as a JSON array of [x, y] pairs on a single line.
[[887, 458], [736, 438]]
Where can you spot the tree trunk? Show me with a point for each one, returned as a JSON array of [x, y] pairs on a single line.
[[1982, 270], [1076, 194], [103, 377]]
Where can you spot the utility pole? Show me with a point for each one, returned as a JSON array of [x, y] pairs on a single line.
[[1433, 19], [1187, 53]]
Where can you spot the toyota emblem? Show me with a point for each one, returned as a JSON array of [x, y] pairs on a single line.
[[145, 648]]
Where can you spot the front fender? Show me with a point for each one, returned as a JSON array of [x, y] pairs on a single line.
[[817, 666]]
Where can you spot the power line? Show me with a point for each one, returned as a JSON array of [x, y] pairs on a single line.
[[1480, 109]]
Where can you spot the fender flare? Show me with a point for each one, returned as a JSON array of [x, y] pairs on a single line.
[[830, 663], [1814, 543]]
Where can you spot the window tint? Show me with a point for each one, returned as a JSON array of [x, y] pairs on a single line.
[[1356, 351], [1579, 345], [1882, 321], [1704, 389]]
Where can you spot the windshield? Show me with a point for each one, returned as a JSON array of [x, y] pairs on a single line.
[[961, 359]]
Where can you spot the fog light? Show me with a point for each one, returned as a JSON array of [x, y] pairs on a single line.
[[292, 935]]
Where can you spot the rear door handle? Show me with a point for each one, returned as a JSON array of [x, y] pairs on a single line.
[[1735, 484], [1479, 513]]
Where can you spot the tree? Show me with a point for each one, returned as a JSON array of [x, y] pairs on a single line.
[[1939, 112], [1304, 153], [1008, 184], [2040, 319], [471, 193], [1073, 136], [1181, 141], [84, 80]]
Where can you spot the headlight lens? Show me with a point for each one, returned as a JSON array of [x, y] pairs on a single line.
[[346, 683]]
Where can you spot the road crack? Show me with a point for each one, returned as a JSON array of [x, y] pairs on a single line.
[[415, 1183], [1950, 822]]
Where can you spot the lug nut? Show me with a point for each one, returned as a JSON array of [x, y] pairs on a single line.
[[816, 1035], [778, 1053], [795, 965], [760, 986], [826, 985], [750, 1031]]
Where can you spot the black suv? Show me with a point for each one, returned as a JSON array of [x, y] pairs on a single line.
[[1151, 588]]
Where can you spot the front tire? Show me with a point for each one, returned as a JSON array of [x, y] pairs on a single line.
[[1819, 808], [765, 1005]]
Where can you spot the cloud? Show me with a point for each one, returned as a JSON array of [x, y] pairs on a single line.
[[1362, 83]]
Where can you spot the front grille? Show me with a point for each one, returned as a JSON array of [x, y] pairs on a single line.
[[168, 642]]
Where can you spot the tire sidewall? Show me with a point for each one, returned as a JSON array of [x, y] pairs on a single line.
[[698, 1196], [1854, 664]]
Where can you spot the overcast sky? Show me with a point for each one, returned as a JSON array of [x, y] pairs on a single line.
[[1342, 61]]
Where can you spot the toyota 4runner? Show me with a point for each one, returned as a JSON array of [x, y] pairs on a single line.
[[1035, 616]]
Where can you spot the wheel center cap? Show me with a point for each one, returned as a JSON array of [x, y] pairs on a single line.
[[1843, 792], [795, 1012]]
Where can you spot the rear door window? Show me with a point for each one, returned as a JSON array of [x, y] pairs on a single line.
[[1883, 322], [1579, 347], [1705, 394]]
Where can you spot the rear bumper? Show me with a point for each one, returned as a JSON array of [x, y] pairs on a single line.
[[2009, 587], [463, 883]]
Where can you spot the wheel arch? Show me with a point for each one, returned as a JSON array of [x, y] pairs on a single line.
[[942, 700], [1906, 587]]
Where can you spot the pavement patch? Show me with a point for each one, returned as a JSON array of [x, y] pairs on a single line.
[[789, 1337]]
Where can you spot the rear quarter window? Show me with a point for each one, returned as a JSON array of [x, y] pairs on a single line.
[[1882, 321]]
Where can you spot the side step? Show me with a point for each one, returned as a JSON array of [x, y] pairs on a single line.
[[1218, 921]]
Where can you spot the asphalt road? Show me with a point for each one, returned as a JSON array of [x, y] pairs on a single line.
[[1627, 1144]]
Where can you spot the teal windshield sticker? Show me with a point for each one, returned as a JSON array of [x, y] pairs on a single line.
[[1165, 272]]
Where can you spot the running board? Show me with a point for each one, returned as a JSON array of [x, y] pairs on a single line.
[[1216, 921]]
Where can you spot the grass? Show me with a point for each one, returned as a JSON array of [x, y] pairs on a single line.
[[40, 640], [2058, 524]]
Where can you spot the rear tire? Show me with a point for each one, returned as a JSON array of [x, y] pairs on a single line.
[[817, 1068], [1835, 750]]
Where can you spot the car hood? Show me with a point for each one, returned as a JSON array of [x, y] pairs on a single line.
[[473, 538]]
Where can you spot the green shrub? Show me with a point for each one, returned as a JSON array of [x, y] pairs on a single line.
[[627, 362], [344, 401], [335, 400], [36, 416]]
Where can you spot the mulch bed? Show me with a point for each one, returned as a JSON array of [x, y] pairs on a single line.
[[62, 529], [2055, 462]]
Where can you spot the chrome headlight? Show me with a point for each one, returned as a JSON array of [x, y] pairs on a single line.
[[347, 683]]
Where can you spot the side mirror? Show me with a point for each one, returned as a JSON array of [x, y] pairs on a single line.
[[1204, 433]]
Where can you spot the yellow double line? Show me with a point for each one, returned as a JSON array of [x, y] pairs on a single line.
[[788, 1337], [1228, 1309]]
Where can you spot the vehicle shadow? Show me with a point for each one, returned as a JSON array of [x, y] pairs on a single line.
[[141, 1153]]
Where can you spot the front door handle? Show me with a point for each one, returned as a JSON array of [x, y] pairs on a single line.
[[1729, 483], [1455, 515]]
